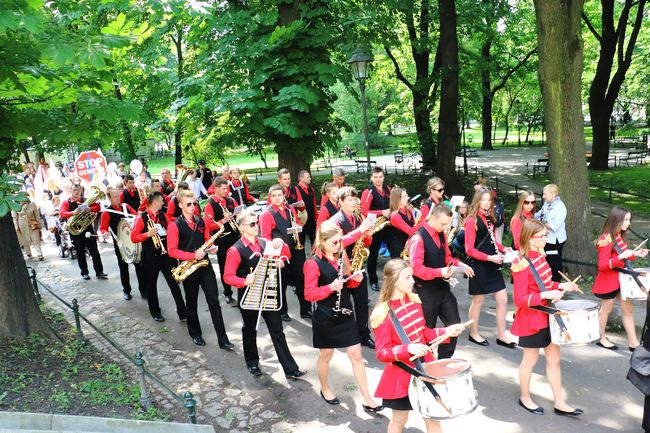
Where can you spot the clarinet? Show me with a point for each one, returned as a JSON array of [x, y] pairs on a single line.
[[491, 232], [337, 310]]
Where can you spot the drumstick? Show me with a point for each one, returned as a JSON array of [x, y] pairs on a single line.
[[436, 341], [639, 246], [569, 280]]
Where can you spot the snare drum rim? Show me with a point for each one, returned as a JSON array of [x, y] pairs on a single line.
[[578, 310], [460, 373]]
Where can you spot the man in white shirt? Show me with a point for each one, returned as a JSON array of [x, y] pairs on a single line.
[[553, 215], [196, 185]]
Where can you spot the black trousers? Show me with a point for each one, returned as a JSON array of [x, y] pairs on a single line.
[[360, 299], [274, 325], [440, 303], [206, 279], [555, 260], [309, 230], [124, 272], [151, 268], [80, 244], [293, 275], [222, 253], [377, 240], [646, 414]]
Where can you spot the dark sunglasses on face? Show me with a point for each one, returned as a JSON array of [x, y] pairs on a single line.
[[251, 224], [439, 190], [529, 202], [192, 204]]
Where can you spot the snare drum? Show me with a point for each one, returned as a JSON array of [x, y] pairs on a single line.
[[258, 207], [453, 383], [629, 288], [129, 250], [581, 320]]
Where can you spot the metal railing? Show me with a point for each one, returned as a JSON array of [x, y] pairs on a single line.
[[187, 399]]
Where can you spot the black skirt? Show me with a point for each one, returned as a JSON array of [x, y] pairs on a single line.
[[397, 403], [538, 340], [333, 333], [487, 279], [610, 295]]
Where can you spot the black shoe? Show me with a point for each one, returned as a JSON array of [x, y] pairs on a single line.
[[254, 370], [480, 343], [199, 341], [369, 409], [227, 346], [85, 277], [333, 401], [295, 374], [374, 287], [368, 342], [537, 411], [285, 317], [182, 317], [127, 296], [229, 300], [158, 318], [575, 412], [102, 276], [632, 348], [612, 347], [306, 315], [511, 345]]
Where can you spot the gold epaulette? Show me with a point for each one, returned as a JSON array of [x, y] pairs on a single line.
[[519, 264], [379, 314], [414, 297], [604, 241]]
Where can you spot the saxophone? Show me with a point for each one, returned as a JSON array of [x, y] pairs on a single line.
[[405, 252], [157, 241], [78, 223], [359, 252], [188, 267]]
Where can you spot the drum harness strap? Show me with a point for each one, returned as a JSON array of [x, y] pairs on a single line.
[[418, 371], [629, 269], [548, 310]]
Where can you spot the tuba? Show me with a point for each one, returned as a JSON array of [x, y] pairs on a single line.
[[188, 267], [78, 223]]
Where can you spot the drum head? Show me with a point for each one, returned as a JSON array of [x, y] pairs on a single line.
[[576, 304], [446, 368]]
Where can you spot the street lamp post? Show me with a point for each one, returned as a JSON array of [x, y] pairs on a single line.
[[360, 62]]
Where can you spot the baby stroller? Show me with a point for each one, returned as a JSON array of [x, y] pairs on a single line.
[[66, 249]]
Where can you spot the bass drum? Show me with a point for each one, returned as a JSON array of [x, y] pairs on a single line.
[[130, 250]]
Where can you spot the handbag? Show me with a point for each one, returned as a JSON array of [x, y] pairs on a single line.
[[639, 372]]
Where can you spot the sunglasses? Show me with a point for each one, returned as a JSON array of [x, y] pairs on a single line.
[[251, 224], [485, 189], [439, 190], [192, 204], [540, 237], [529, 202]]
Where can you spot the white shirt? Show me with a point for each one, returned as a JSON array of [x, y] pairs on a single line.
[[196, 186], [554, 214]]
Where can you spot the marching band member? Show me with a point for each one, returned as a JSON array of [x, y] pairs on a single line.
[[274, 223], [397, 295], [69, 208], [525, 211], [338, 179], [186, 235], [607, 286], [402, 222], [309, 196], [167, 182], [482, 251], [333, 325], [155, 186], [218, 212], [532, 325], [173, 209], [553, 214], [239, 188], [431, 261], [291, 192], [331, 204], [154, 258], [375, 199], [353, 229], [436, 190], [130, 194], [111, 220], [241, 259]]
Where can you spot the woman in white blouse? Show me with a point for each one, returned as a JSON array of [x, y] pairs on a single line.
[[553, 215]]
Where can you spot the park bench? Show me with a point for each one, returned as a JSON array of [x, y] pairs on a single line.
[[541, 163], [362, 165], [470, 151], [638, 156]]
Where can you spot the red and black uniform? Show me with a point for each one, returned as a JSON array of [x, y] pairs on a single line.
[[111, 220], [239, 190], [516, 224], [402, 226], [327, 211], [130, 197], [478, 246], [80, 242], [154, 262], [238, 265], [331, 329], [183, 239], [394, 382], [174, 210], [429, 255], [213, 214], [168, 187], [274, 223], [607, 285], [531, 326], [425, 209], [348, 224], [293, 195], [309, 196], [375, 201], [145, 203]]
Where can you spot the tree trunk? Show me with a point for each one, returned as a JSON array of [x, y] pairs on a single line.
[[559, 36], [20, 315], [600, 146], [291, 161], [486, 90], [423, 130], [507, 122]]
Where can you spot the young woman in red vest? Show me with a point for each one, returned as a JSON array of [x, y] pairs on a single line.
[[525, 211], [532, 325], [402, 222], [606, 286]]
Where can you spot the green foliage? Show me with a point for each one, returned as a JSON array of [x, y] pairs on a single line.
[[11, 198]]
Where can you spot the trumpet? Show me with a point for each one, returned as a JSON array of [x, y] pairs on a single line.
[[142, 193], [156, 239], [232, 223], [296, 236]]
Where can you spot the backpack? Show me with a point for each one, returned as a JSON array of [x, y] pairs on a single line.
[[499, 213]]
